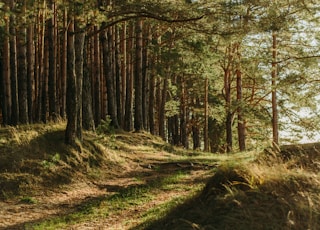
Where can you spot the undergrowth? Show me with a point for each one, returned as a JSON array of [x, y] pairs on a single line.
[[275, 191], [266, 190]]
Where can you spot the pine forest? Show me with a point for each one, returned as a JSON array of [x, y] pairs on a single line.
[[159, 114], [202, 74]]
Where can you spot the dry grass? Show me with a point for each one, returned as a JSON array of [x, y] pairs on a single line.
[[248, 191], [281, 191]]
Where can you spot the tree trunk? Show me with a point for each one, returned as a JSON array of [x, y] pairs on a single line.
[[241, 121], [151, 103], [79, 47], [123, 49], [275, 122], [117, 75], [44, 81], [206, 116], [183, 114], [97, 85], [6, 112], [138, 115], [162, 112], [52, 45], [107, 44], [13, 69], [145, 79], [195, 133], [30, 71], [227, 90], [70, 136], [63, 67], [87, 113], [22, 64], [129, 80]]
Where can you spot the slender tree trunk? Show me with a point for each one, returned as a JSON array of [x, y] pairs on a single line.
[[118, 79], [227, 85], [2, 91], [183, 114], [129, 80], [275, 122], [241, 121], [138, 114], [195, 133], [13, 69], [6, 112], [87, 112], [30, 71], [70, 136], [227, 89], [162, 114], [151, 103], [97, 86], [123, 48], [22, 66], [206, 116], [63, 67], [107, 44], [52, 52], [44, 81], [145, 79], [79, 47]]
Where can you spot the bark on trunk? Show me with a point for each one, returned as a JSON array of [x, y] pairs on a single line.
[[138, 114], [70, 136], [275, 122]]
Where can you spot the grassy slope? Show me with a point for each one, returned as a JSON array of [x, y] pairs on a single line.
[[247, 190]]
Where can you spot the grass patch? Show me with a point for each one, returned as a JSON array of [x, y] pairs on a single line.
[[125, 199], [273, 192]]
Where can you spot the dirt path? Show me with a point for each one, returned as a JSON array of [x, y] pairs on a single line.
[[18, 215]]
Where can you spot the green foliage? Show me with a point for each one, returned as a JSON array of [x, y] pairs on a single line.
[[105, 126], [54, 160], [28, 200]]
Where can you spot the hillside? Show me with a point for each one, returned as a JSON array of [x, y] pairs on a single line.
[[137, 181]]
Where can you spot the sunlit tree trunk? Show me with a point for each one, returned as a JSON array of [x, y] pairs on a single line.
[[206, 116], [274, 75], [227, 94], [241, 121]]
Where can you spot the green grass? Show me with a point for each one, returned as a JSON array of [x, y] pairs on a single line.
[[248, 190], [125, 199], [267, 193]]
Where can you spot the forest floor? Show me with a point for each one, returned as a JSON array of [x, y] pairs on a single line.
[[137, 181]]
